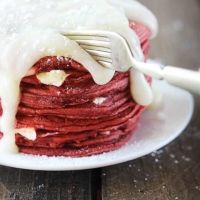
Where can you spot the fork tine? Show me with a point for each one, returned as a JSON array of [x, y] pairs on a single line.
[[106, 64], [99, 58], [87, 37], [102, 49], [87, 33], [94, 43], [99, 53]]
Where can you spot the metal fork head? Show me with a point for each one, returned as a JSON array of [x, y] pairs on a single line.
[[108, 48]]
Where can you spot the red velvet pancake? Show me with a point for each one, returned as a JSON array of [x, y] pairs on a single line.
[[69, 120]]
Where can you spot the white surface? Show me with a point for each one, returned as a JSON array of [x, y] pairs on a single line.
[[156, 129]]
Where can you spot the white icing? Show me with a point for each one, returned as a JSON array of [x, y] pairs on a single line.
[[140, 88], [30, 30], [54, 77], [28, 133], [157, 97], [138, 12], [99, 100]]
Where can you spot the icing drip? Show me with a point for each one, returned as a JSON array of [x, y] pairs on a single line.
[[140, 88], [31, 30]]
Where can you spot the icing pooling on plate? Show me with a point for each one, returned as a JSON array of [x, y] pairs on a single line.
[[30, 30]]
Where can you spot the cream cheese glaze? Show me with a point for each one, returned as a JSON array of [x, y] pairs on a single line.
[[31, 30], [54, 77]]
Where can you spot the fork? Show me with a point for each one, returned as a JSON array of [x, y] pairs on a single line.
[[113, 51]]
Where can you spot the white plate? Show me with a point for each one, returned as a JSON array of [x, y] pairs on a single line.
[[157, 128]]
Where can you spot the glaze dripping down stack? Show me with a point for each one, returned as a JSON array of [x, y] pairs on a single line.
[[80, 118]]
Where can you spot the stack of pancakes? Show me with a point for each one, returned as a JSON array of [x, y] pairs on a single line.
[[79, 118]]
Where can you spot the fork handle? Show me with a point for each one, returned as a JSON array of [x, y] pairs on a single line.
[[183, 78], [187, 79]]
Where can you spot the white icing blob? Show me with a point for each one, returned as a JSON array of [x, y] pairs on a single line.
[[99, 100], [28, 133], [54, 77]]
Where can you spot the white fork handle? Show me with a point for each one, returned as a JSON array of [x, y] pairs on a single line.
[[187, 79], [183, 78]]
